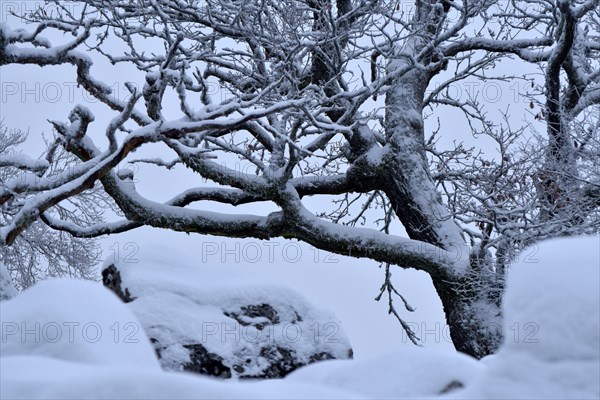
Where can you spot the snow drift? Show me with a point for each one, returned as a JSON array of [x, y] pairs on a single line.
[[407, 374], [76, 321]]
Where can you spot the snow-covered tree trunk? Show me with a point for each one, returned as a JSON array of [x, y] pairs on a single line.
[[470, 311]]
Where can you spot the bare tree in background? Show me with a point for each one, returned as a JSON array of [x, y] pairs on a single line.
[[300, 78], [41, 252]]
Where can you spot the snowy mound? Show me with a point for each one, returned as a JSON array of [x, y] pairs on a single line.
[[551, 346], [202, 320], [45, 378], [411, 373], [553, 300], [74, 321]]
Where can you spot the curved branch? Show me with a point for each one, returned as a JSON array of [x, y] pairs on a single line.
[[339, 239], [519, 47]]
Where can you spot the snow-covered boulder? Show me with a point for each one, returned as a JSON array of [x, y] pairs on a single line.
[[551, 346], [74, 320], [7, 288], [202, 320], [407, 374]]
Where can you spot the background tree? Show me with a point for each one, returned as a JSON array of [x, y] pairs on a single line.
[[299, 108], [41, 252]]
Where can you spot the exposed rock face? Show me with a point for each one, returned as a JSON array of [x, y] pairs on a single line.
[[111, 278], [203, 362], [209, 325]]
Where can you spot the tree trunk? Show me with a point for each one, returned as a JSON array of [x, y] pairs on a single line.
[[472, 315], [470, 305]]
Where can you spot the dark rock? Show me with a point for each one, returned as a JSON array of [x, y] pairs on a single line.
[[157, 347], [282, 361], [255, 311], [323, 356], [452, 386], [239, 369], [206, 363], [111, 278]]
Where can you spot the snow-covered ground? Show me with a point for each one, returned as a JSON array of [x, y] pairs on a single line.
[[72, 339]]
